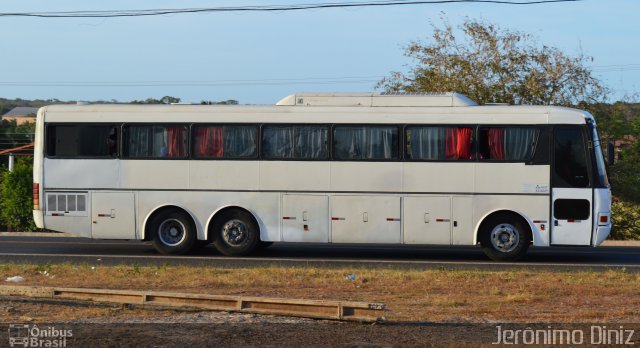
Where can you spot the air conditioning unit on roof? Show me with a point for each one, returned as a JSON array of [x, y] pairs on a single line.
[[376, 99]]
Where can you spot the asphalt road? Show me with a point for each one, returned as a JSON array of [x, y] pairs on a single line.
[[80, 250]]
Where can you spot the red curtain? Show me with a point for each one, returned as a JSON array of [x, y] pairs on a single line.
[[496, 143], [458, 143], [176, 139], [451, 144], [209, 142], [464, 143]]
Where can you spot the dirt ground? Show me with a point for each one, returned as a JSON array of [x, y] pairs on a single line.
[[426, 308], [133, 327]]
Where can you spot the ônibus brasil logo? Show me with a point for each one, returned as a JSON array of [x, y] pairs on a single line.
[[22, 335]]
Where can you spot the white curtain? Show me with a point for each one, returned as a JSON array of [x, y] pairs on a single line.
[[239, 141], [519, 143], [426, 143], [139, 141], [295, 142], [311, 142], [147, 141], [366, 143]]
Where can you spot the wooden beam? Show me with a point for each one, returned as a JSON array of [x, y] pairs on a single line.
[[336, 310], [16, 149]]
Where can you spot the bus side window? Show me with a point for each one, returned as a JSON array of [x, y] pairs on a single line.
[[439, 143], [365, 143], [153, 141], [82, 140], [507, 143], [295, 142], [224, 141], [570, 158]]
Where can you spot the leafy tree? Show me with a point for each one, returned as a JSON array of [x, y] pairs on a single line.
[[223, 102], [169, 100], [16, 203], [615, 121], [494, 65], [13, 135], [625, 174], [626, 220], [8, 104], [164, 100]]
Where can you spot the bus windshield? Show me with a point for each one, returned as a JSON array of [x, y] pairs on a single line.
[[600, 166]]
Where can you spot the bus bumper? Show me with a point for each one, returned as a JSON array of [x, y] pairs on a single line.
[[38, 218], [602, 232]]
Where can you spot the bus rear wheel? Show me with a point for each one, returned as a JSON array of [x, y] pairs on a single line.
[[236, 233], [505, 237], [172, 232]]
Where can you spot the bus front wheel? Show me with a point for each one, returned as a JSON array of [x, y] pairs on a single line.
[[173, 232], [505, 237], [236, 233]]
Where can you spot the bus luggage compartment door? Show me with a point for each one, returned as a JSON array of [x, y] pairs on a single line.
[[365, 219], [427, 220], [305, 218], [113, 215]]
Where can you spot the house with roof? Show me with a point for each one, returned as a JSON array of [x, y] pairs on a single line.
[[21, 114]]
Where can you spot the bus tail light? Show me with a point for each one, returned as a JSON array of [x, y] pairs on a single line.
[[604, 219], [36, 196]]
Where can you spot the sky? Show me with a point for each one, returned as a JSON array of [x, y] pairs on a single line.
[[261, 57]]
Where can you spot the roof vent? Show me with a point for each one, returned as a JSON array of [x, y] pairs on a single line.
[[376, 99]]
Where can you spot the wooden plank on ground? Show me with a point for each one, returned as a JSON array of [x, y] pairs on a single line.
[[336, 310]]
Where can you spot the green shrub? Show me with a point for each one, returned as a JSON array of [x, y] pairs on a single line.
[[626, 221], [625, 177], [16, 196]]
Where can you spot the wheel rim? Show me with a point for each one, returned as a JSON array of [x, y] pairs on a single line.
[[172, 232], [505, 238], [235, 233]]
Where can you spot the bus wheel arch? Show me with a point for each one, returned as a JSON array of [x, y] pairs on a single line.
[[504, 235], [171, 229], [234, 231]]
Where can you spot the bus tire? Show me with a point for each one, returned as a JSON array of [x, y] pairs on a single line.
[[201, 244], [505, 237], [264, 245], [172, 232], [236, 233]]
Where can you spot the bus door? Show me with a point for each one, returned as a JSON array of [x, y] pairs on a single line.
[[571, 193], [113, 215]]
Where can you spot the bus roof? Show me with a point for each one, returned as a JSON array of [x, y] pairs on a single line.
[[447, 108]]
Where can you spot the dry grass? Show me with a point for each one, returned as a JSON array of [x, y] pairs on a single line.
[[430, 295]]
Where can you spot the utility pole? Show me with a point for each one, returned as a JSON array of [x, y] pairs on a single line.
[[11, 160]]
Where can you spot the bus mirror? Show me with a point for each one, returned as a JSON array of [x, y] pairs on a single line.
[[611, 154]]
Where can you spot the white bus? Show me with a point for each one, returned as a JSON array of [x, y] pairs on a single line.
[[324, 168]]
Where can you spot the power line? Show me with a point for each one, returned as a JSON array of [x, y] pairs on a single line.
[[198, 83], [337, 80], [617, 67], [263, 8]]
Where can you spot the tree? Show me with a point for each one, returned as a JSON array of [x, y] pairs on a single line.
[[16, 201], [223, 102], [164, 100], [495, 65], [616, 121], [625, 174], [169, 100]]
